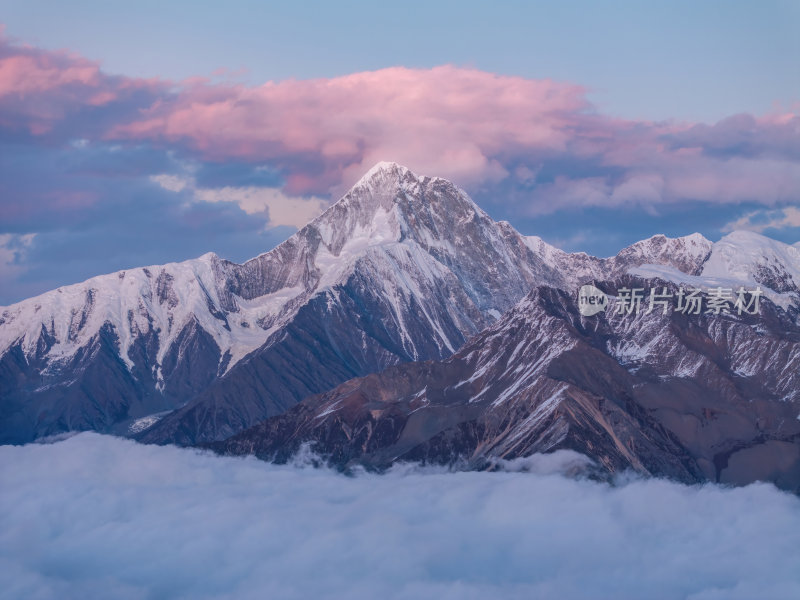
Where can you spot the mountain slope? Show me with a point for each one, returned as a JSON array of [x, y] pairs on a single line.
[[402, 268], [692, 397], [411, 269], [411, 266]]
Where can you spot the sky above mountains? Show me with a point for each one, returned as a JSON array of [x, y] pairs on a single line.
[[143, 134]]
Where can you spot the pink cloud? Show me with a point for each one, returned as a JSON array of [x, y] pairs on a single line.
[[41, 72], [477, 128], [40, 89], [446, 120]]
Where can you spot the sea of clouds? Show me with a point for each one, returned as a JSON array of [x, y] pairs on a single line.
[[93, 516]]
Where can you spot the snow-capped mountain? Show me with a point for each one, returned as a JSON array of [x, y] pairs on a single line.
[[693, 397], [402, 268], [748, 256], [742, 258], [687, 255]]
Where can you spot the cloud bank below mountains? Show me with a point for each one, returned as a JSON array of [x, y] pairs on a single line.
[[96, 516]]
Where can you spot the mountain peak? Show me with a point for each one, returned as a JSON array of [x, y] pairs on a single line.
[[385, 167], [747, 236], [390, 203], [696, 237], [750, 244], [364, 211], [687, 253], [385, 177], [691, 239]]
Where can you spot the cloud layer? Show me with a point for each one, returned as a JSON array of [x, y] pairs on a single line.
[[760, 221], [473, 126], [96, 516]]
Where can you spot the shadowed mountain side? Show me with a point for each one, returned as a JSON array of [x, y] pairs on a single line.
[[691, 397]]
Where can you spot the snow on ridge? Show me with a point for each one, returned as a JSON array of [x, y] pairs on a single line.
[[161, 300], [740, 252], [98, 280], [383, 229], [383, 167], [542, 248], [740, 258], [347, 212], [692, 246], [706, 282]]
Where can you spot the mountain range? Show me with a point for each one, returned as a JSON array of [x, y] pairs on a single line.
[[709, 397], [400, 293]]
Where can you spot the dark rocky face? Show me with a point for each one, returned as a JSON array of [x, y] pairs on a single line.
[[691, 397]]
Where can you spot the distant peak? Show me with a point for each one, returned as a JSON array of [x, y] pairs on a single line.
[[745, 234], [697, 237], [746, 240], [662, 241], [692, 237], [209, 256]]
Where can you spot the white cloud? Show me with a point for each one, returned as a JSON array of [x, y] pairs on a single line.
[[283, 209], [12, 252], [294, 211], [100, 517], [172, 183], [760, 221], [646, 189]]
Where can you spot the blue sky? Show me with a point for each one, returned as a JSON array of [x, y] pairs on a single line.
[[591, 124]]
